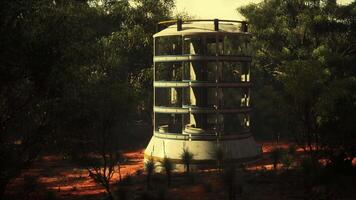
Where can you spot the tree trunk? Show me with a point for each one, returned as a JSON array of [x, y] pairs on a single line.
[[120, 173]]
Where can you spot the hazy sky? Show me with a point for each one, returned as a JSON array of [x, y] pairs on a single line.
[[222, 9]]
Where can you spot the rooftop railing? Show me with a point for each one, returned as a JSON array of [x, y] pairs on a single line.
[[180, 22]]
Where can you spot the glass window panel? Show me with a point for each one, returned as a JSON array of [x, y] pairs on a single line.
[[237, 45], [220, 44], [168, 45], [168, 71], [234, 97], [169, 97], [202, 97], [235, 72], [202, 71], [234, 123], [186, 96], [211, 46], [194, 45], [245, 72], [168, 123], [186, 71], [201, 124]]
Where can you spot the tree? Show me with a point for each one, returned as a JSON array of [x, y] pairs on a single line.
[[58, 59], [304, 84], [34, 70], [304, 50]]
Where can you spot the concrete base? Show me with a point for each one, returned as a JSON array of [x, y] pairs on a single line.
[[236, 149]]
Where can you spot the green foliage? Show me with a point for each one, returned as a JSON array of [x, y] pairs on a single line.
[[303, 69], [276, 155], [149, 168], [121, 193], [287, 161], [168, 167], [292, 150], [208, 187], [186, 156], [311, 170], [229, 180], [289, 157], [219, 156], [72, 73]]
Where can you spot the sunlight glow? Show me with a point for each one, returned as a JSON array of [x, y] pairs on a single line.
[[221, 9]]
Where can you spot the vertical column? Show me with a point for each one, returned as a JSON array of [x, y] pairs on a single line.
[[154, 79]]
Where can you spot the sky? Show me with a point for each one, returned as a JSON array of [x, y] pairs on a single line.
[[221, 9]]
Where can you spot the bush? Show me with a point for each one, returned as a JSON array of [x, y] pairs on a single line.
[[292, 150], [276, 156], [168, 167], [219, 155], [49, 195], [30, 184], [162, 194], [121, 193], [149, 168], [229, 180], [187, 158], [310, 169], [208, 187], [127, 180], [287, 161]]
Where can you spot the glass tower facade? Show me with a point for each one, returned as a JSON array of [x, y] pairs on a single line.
[[202, 89]]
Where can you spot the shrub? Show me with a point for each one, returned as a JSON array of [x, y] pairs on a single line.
[[187, 158], [168, 167], [220, 157], [229, 180], [208, 187], [127, 180], [149, 168], [121, 193], [287, 161], [162, 193], [310, 169], [276, 156], [292, 150]]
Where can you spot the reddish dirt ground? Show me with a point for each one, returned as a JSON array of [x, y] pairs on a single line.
[[56, 174]]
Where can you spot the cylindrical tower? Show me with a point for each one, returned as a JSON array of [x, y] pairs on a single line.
[[202, 92]]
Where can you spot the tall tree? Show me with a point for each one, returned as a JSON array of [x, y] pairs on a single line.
[[305, 51], [59, 62]]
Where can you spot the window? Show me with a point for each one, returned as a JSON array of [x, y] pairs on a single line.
[[168, 123], [200, 97], [200, 45], [168, 45], [193, 45], [234, 97], [235, 72], [168, 97], [168, 71], [201, 124], [211, 46], [234, 123], [236, 45], [200, 71]]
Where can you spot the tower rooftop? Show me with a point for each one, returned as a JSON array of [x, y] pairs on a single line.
[[191, 27]]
